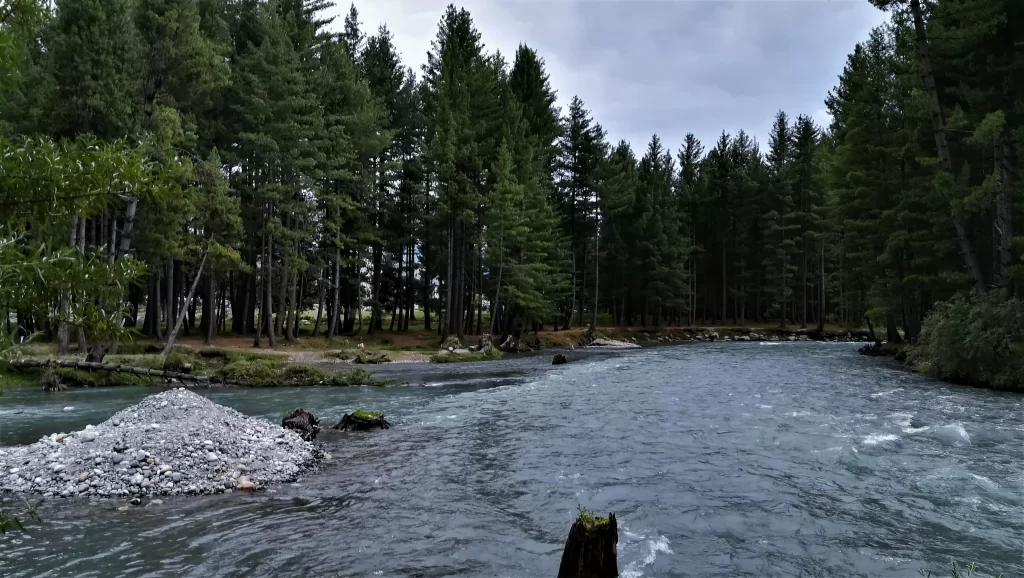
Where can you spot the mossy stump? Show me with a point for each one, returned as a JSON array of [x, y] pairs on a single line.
[[303, 422], [590, 549], [362, 420], [559, 359], [368, 358]]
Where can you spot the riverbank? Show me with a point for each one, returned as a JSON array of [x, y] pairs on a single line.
[[307, 361]]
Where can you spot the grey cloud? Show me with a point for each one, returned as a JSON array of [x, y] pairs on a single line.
[[671, 67]]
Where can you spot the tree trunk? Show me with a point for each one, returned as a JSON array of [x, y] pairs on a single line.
[[188, 301], [821, 292], [210, 307], [321, 294], [1003, 216], [268, 299], [939, 133]]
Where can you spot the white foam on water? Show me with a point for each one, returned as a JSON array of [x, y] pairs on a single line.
[[985, 481], [875, 439], [763, 406], [914, 430], [958, 427], [800, 413], [902, 419], [835, 449], [659, 545], [884, 393]]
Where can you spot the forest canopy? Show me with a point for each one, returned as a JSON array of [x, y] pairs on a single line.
[[238, 163]]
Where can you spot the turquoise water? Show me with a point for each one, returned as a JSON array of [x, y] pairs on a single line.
[[718, 459]]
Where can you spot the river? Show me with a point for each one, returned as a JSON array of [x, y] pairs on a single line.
[[731, 459]]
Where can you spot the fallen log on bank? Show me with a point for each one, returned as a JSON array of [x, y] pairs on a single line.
[[362, 420], [590, 549], [110, 367]]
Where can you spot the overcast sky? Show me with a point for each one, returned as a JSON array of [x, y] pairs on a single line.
[[660, 66]]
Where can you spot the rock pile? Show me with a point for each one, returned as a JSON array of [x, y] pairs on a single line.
[[171, 443]]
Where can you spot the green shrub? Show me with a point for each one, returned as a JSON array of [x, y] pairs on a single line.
[[977, 341], [179, 362], [80, 378], [255, 372]]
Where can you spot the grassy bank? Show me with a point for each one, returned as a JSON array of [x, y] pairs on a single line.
[[244, 368]]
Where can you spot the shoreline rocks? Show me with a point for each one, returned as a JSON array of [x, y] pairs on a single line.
[[172, 443]]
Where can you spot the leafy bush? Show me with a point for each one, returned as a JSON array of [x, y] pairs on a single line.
[[976, 341], [255, 372], [179, 362]]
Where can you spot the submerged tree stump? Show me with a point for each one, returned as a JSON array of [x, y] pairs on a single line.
[[303, 422], [590, 549], [559, 359], [362, 420]]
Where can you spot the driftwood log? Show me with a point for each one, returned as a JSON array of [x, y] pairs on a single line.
[[362, 420], [590, 549], [110, 367], [303, 422]]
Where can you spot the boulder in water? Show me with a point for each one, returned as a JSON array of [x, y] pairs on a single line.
[[360, 420], [559, 359], [302, 422]]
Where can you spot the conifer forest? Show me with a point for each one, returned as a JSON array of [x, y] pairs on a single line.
[[222, 167]]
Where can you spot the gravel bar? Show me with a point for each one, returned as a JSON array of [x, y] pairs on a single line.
[[172, 443]]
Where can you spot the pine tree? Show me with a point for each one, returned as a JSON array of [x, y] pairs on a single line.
[[780, 230]]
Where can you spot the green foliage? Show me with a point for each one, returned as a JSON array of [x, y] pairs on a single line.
[[588, 519], [362, 414], [977, 340], [957, 571]]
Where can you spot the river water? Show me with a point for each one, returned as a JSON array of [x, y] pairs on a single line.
[[718, 460]]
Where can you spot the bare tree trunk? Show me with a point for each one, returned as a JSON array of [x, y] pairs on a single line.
[[1003, 216], [939, 132], [210, 308], [268, 300], [321, 295], [821, 292], [188, 301]]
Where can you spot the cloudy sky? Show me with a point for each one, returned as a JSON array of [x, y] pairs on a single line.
[[660, 66]]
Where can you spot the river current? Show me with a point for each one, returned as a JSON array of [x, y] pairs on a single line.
[[752, 459]]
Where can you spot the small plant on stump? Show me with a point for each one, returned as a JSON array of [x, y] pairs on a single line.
[[590, 549], [362, 420]]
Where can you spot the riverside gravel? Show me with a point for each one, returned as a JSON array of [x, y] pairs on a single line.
[[172, 443]]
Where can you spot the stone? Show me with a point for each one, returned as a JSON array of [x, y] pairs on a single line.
[[244, 483], [82, 488], [116, 458], [57, 468], [83, 476]]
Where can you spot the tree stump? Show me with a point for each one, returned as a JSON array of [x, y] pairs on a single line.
[[365, 358], [362, 420], [559, 359], [590, 549], [303, 422], [485, 345]]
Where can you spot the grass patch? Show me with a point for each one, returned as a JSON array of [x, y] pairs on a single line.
[[341, 354], [364, 415], [589, 520], [271, 373], [81, 378], [14, 377], [465, 357]]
